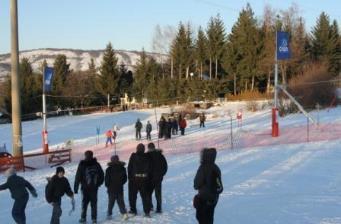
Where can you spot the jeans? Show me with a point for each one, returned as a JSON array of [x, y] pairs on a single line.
[[18, 210], [56, 212]]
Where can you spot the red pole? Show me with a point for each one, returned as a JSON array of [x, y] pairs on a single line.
[[275, 130], [45, 142]]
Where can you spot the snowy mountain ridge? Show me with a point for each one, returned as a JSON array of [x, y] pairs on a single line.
[[78, 59]]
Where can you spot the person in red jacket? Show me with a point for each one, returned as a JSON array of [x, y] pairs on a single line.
[[182, 125]]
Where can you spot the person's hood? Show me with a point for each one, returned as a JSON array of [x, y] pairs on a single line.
[[208, 155], [118, 163]]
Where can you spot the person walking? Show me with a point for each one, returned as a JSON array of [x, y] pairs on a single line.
[[90, 176], [149, 130], [182, 125], [202, 119], [159, 169], [209, 185], [175, 126], [115, 178], [18, 186], [138, 175], [109, 135], [57, 186], [138, 128]]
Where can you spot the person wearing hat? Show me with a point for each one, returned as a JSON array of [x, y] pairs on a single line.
[[90, 176], [159, 169], [149, 130], [57, 186], [17, 186], [115, 178], [138, 174]]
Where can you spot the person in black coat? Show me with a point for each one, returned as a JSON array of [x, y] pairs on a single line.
[[149, 130], [138, 128], [138, 175], [90, 176], [209, 185], [18, 187], [57, 186], [175, 126], [162, 127], [159, 169], [115, 178]]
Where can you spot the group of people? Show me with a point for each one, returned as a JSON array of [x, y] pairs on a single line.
[[145, 175], [170, 126], [138, 129]]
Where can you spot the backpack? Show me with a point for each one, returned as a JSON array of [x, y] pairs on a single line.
[[48, 195], [91, 176]]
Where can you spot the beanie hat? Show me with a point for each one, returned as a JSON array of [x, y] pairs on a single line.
[[140, 148], [88, 155], [60, 169], [115, 159], [151, 147], [10, 172]]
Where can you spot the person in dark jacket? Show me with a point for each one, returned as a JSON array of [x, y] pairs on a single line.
[[17, 186], [161, 127], [138, 128], [115, 178], [209, 185], [56, 188], [138, 175], [159, 169], [175, 126], [149, 130], [90, 176], [202, 119]]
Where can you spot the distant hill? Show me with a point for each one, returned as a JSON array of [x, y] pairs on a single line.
[[78, 59]]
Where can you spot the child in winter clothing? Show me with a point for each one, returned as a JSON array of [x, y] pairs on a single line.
[[115, 178], [109, 135], [17, 186], [57, 186]]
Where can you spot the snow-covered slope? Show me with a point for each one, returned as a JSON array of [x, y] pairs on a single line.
[[279, 181], [78, 59]]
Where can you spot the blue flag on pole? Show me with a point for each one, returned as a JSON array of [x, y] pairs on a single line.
[[48, 74], [283, 49]]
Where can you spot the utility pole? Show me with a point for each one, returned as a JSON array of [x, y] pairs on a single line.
[[17, 146]]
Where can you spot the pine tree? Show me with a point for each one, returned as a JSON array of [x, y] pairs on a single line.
[[216, 39], [200, 51], [141, 76], [182, 50], [61, 72], [107, 82], [335, 55], [245, 45]]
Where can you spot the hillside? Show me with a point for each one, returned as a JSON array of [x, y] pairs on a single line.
[[78, 59]]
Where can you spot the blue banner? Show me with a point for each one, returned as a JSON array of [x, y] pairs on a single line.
[[48, 74], [283, 49]]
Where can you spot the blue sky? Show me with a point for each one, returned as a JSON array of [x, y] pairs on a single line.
[[128, 24]]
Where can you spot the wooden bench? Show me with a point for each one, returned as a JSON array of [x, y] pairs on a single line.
[[59, 157]]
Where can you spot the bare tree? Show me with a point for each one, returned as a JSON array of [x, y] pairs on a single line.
[[162, 39]]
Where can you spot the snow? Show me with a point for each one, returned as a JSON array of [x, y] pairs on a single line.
[[78, 59], [266, 180]]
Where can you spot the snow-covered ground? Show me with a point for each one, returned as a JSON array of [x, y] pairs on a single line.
[[266, 180]]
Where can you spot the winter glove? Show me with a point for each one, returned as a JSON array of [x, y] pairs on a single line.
[[34, 194]]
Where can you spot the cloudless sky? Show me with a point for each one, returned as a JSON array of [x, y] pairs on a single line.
[[129, 24]]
